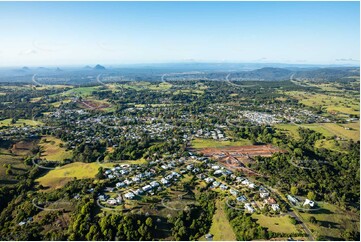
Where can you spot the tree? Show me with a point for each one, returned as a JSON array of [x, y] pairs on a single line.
[[294, 190], [311, 195], [293, 220], [149, 222], [312, 220]]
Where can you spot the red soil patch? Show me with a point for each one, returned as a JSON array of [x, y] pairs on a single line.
[[236, 157]]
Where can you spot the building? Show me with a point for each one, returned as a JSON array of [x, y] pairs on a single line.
[[309, 202], [129, 195]]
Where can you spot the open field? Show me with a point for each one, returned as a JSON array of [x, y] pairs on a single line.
[[61, 175], [280, 224], [211, 143], [20, 122], [327, 129], [332, 103], [57, 104], [51, 150], [332, 221], [17, 167], [221, 229], [15, 158], [331, 145], [82, 91]]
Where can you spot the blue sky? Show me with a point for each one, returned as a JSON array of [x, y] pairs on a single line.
[[65, 33]]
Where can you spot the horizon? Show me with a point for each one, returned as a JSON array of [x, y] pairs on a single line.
[[143, 33]]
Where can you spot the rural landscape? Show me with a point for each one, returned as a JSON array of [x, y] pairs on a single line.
[[181, 159], [180, 121]]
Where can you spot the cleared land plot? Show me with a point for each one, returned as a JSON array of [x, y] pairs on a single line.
[[58, 177], [51, 150], [221, 229], [211, 143], [241, 151], [332, 221]]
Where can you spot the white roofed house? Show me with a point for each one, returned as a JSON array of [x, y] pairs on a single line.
[[223, 186], [209, 179], [248, 207], [264, 194], [164, 181], [275, 207], [129, 195], [309, 202], [112, 201], [233, 192], [147, 188], [154, 184], [120, 184]]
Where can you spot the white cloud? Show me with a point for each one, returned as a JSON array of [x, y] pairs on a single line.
[[28, 52]]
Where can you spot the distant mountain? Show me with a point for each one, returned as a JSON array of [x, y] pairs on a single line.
[[329, 74], [25, 68], [58, 69], [263, 74], [88, 67], [99, 67]]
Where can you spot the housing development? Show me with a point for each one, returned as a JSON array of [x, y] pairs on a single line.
[[180, 121]]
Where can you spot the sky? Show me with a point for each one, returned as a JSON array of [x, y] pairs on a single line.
[[82, 33]]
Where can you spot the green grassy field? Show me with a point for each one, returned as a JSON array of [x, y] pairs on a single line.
[[327, 129], [20, 122], [332, 221], [51, 150], [61, 175], [211, 143], [280, 224], [331, 145], [15, 158], [82, 91], [221, 228], [17, 167], [331, 103]]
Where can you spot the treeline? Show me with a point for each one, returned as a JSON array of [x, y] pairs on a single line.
[[196, 221], [333, 176]]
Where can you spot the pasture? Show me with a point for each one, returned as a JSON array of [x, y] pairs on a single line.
[[51, 149]]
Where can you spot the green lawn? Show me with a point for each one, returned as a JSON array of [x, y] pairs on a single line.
[[221, 229], [211, 143], [280, 224]]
